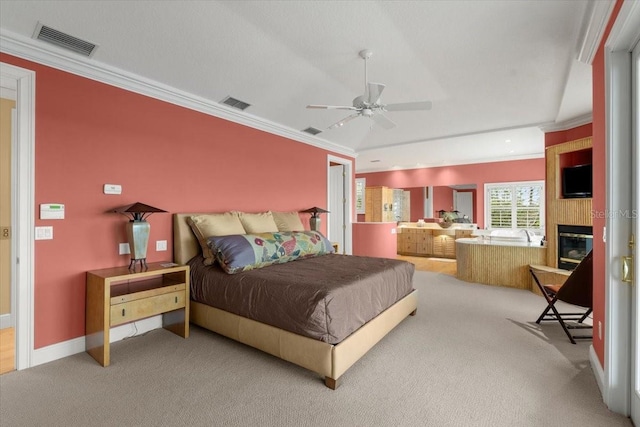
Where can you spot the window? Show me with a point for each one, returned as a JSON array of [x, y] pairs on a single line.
[[515, 205], [361, 183]]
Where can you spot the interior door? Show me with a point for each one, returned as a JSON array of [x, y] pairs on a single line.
[[336, 215], [635, 294], [463, 203]]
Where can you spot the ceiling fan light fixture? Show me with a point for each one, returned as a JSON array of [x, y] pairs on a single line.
[[369, 105]]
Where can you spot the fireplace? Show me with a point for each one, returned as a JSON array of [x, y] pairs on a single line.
[[574, 243]]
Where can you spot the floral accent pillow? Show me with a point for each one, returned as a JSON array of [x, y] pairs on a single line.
[[243, 252]]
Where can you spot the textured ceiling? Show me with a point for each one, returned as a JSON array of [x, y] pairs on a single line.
[[494, 70]]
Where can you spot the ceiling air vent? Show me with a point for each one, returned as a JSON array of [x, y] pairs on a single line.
[[64, 41], [235, 103], [312, 131]]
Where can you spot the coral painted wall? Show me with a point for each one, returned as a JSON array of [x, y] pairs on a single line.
[[376, 239], [89, 134], [416, 203], [599, 185], [442, 199], [479, 174], [555, 138]]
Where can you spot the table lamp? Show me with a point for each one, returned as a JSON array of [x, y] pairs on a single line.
[[314, 221], [138, 231]]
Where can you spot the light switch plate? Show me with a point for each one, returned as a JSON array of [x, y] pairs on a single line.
[[123, 249], [44, 233]]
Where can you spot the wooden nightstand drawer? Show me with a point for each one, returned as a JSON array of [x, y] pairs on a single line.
[[146, 307]]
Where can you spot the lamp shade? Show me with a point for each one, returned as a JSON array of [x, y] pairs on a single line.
[[315, 211], [137, 211]]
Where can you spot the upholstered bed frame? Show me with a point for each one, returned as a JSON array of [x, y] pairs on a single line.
[[328, 360]]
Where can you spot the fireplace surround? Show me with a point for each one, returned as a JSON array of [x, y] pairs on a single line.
[[574, 243]]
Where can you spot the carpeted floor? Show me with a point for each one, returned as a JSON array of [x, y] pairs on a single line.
[[472, 356]]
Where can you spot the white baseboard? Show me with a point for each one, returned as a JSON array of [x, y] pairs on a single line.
[[7, 321], [598, 371], [77, 345]]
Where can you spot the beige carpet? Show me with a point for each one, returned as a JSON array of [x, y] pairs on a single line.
[[472, 356]]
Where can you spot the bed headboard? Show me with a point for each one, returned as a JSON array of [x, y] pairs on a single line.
[[185, 243]]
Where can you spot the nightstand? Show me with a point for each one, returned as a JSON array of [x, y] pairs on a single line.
[[116, 296]]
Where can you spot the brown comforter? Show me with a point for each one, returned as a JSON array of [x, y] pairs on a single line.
[[326, 297]]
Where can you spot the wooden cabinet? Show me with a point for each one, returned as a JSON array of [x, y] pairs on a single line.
[[424, 241], [118, 295], [407, 241], [444, 243], [384, 204], [379, 204], [439, 243]]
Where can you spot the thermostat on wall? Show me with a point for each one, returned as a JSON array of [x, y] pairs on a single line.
[[51, 211]]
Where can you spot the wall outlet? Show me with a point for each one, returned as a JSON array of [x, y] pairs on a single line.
[[161, 245], [123, 249], [393, 231]]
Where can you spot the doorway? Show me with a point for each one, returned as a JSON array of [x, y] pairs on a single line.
[[23, 201], [7, 292], [463, 203], [340, 183]]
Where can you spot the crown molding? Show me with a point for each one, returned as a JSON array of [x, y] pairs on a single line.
[[492, 159], [624, 34], [26, 48], [593, 26], [568, 124]]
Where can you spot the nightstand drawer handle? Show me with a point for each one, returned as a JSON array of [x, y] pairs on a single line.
[[123, 312], [176, 300]]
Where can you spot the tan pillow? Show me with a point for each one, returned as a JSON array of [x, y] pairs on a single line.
[[206, 225], [258, 222], [288, 221]]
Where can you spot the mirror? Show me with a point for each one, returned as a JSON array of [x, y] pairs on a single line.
[[427, 201]]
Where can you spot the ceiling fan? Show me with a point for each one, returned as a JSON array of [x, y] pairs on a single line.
[[370, 105]]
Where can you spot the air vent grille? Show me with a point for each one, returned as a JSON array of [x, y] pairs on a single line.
[[311, 130], [64, 40], [235, 103]]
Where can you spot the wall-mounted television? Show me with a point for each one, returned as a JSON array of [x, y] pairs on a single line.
[[577, 181]]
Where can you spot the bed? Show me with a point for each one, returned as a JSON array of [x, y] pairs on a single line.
[[329, 349]]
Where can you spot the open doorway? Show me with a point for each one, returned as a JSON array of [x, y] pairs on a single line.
[[22, 200], [340, 202]]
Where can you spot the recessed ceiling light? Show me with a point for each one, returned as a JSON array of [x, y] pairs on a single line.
[[507, 141]]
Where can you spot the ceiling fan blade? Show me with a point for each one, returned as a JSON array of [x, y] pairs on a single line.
[[343, 121], [331, 107], [409, 106], [383, 121], [374, 90]]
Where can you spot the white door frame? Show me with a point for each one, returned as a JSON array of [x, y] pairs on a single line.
[[23, 217], [348, 195], [635, 293], [617, 364], [337, 202]]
